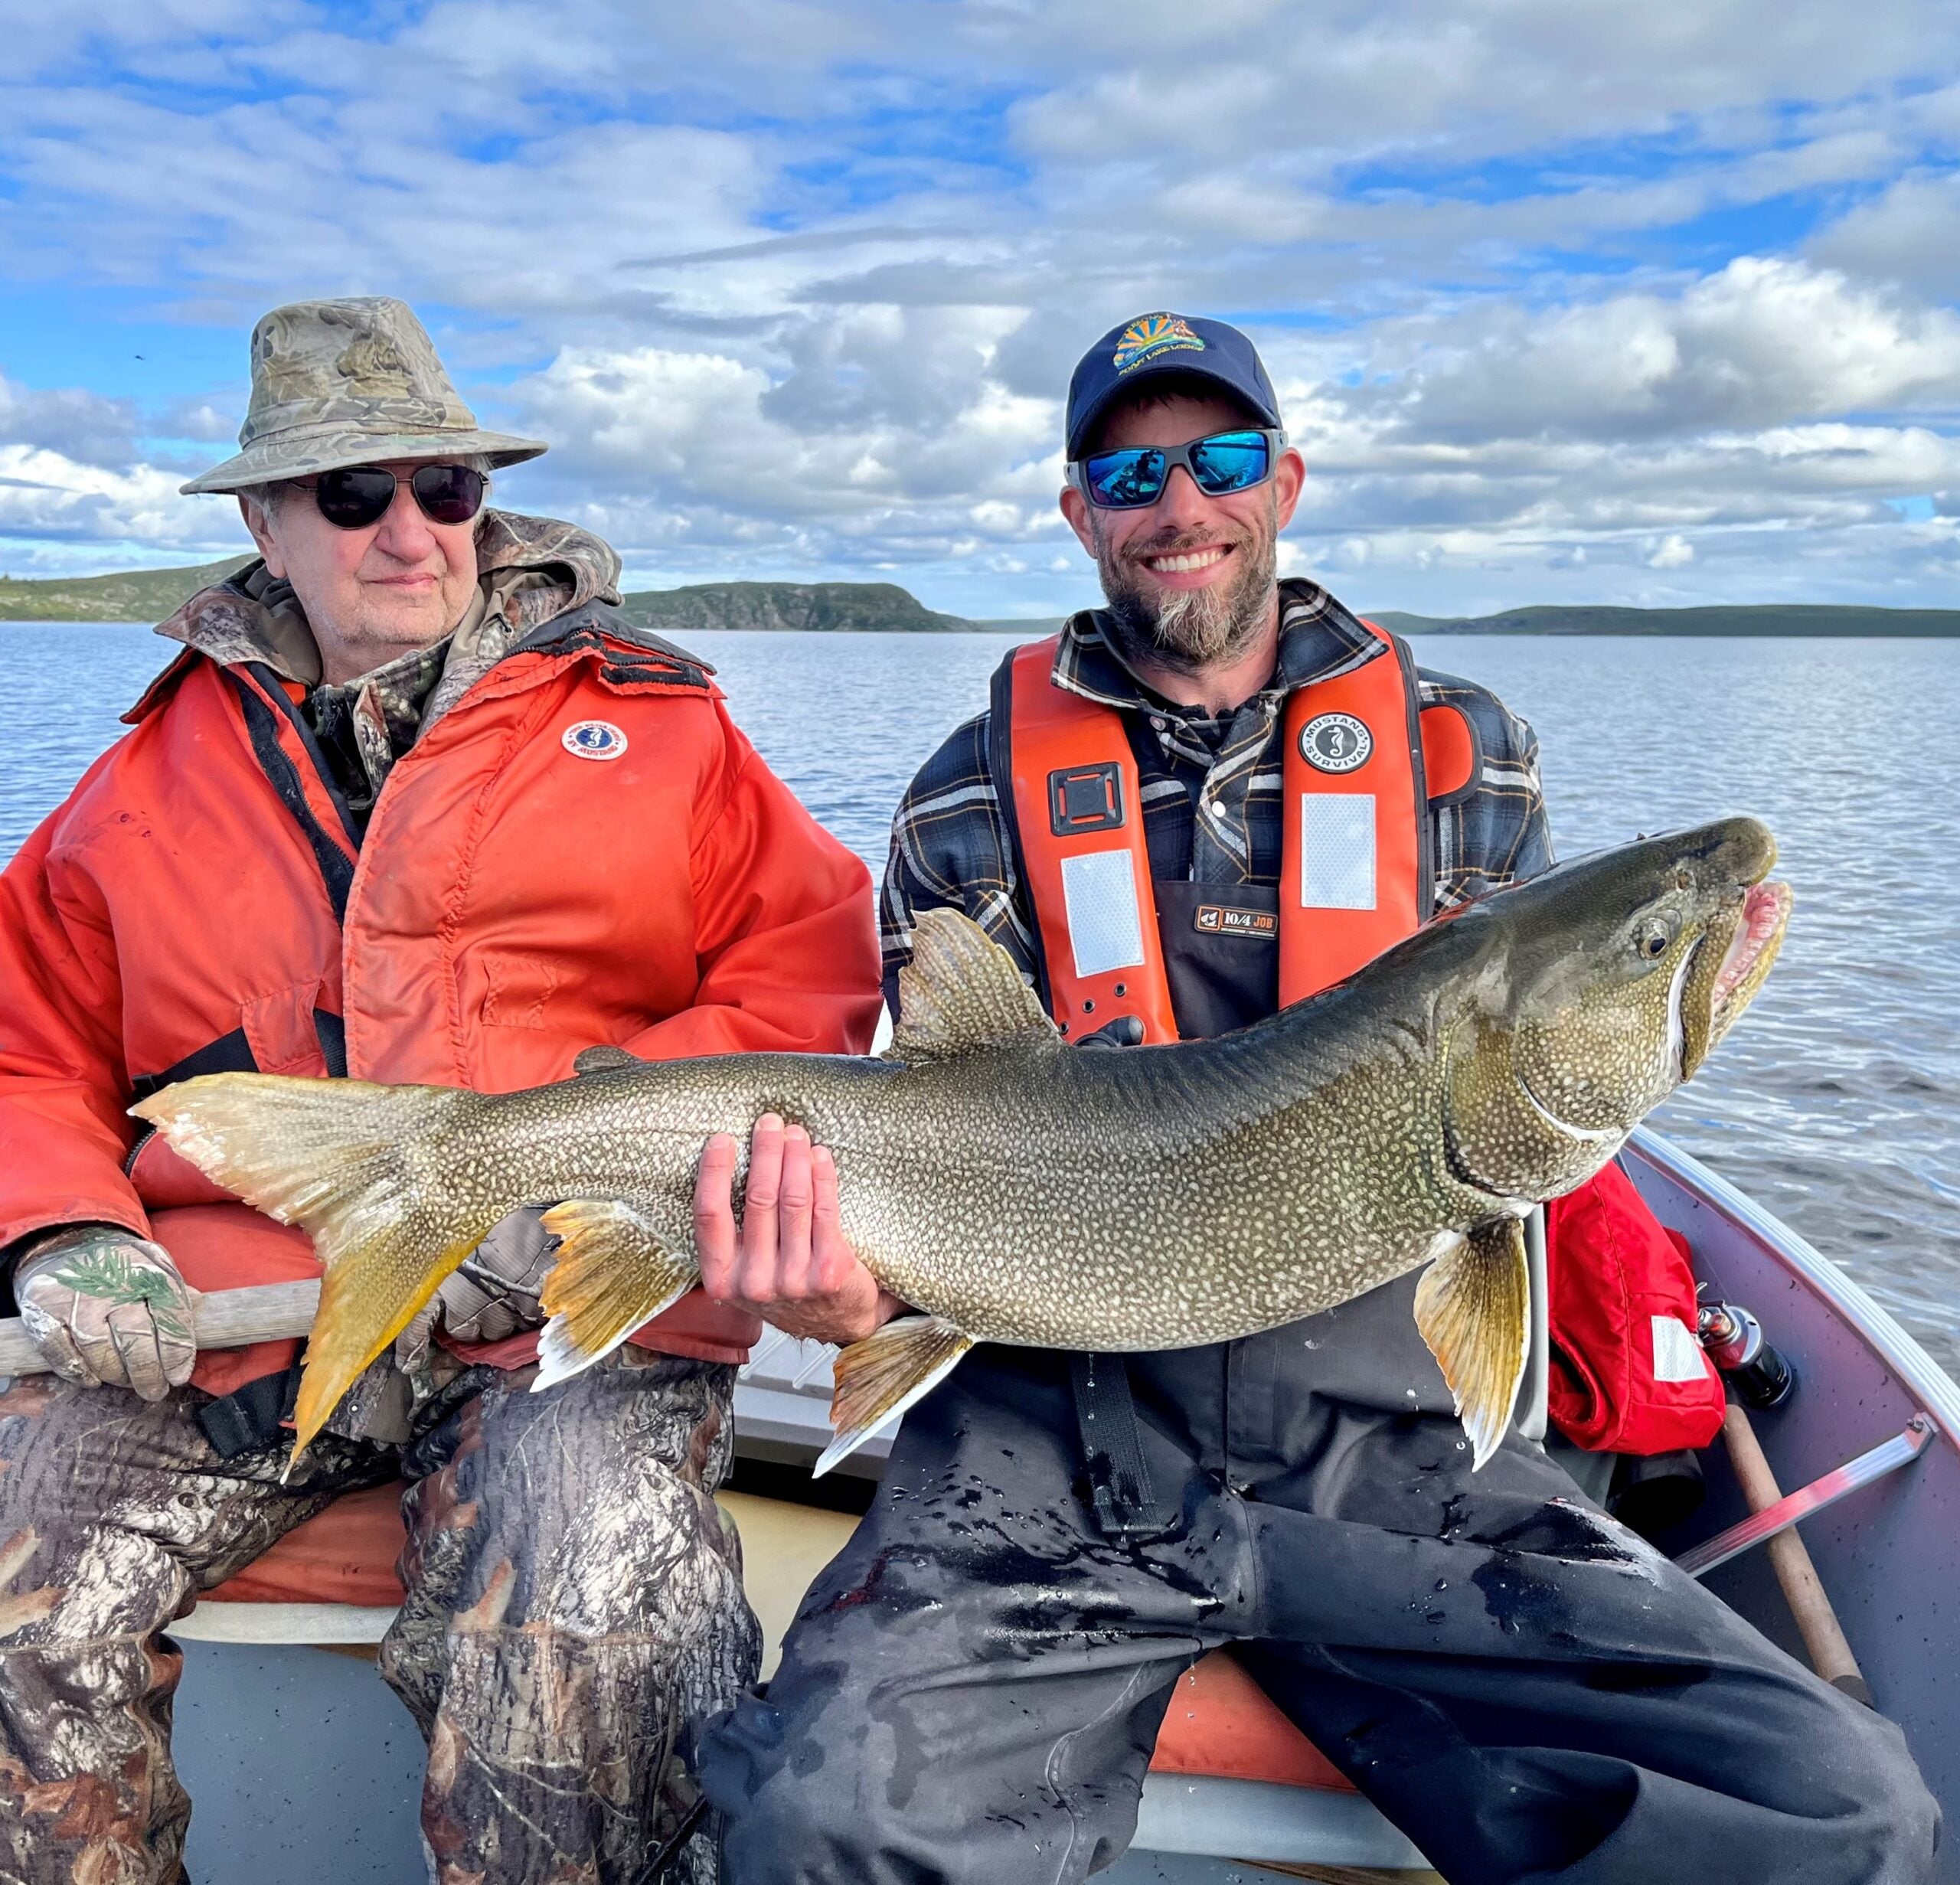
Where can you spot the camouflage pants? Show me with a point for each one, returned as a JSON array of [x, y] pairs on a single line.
[[574, 1596]]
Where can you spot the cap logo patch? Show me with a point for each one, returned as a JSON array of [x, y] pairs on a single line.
[[1151, 334], [593, 739], [1335, 742]]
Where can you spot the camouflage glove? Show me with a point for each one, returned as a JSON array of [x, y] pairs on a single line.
[[107, 1307], [492, 1293]]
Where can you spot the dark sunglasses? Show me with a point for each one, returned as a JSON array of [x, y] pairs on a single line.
[[1223, 462], [357, 496]]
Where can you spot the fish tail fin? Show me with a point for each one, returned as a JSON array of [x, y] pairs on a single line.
[[1473, 1307], [349, 1163], [614, 1271], [884, 1375]]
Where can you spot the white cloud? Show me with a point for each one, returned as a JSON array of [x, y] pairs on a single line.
[[796, 287], [70, 420], [1765, 340], [1910, 232], [885, 441], [45, 495]]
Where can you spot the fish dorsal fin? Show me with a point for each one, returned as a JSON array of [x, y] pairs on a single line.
[[960, 992], [603, 1060]]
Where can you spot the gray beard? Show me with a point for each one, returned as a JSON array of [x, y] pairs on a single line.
[[1188, 631]]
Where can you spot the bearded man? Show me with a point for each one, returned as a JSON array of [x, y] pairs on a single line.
[[1187, 806], [414, 802]]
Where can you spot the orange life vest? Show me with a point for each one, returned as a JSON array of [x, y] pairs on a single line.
[[1364, 762]]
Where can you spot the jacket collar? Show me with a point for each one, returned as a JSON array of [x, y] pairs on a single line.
[[1319, 637], [529, 569]]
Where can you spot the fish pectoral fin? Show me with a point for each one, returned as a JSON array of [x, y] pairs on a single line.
[[614, 1271], [1473, 1306], [884, 1375], [960, 992]]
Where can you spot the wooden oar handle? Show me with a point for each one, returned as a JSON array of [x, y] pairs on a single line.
[[1810, 1604], [227, 1318]]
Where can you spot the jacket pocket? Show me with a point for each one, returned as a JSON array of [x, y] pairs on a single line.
[[518, 989], [284, 1036]]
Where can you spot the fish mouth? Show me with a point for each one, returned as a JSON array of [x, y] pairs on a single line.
[[1731, 960], [1766, 915]]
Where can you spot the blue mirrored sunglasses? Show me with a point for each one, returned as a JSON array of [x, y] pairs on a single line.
[[1223, 462]]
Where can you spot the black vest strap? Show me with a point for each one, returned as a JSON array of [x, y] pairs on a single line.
[[248, 1419], [1119, 1480]]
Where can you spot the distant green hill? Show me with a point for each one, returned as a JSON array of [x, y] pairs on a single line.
[[132, 595], [1766, 619], [878, 608], [885, 608]]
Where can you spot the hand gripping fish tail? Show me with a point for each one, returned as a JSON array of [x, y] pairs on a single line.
[[1013, 1190]]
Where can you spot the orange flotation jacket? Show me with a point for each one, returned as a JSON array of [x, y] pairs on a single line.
[[1364, 766], [582, 850]]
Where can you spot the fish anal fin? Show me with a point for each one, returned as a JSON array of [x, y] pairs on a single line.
[[614, 1271], [1473, 1307], [884, 1375], [960, 992]]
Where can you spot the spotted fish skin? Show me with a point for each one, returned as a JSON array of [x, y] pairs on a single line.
[[1019, 1192]]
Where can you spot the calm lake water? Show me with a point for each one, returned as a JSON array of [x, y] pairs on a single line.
[[1833, 1104]]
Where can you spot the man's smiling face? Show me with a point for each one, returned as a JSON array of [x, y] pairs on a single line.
[[1191, 579]]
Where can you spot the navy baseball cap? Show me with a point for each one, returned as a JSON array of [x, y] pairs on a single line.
[[1165, 343]]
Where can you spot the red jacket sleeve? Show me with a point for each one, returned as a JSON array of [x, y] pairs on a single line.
[[786, 933], [1628, 1373], [63, 1134]]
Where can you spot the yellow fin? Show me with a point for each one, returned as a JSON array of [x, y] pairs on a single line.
[[341, 1159], [614, 1272], [1473, 1306], [961, 992], [884, 1375]]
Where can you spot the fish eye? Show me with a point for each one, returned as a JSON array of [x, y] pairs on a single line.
[[1653, 940], [1683, 879]]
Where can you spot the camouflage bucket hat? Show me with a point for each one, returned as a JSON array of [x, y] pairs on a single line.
[[352, 382]]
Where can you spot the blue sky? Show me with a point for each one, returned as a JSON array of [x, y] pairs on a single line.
[[1566, 301]]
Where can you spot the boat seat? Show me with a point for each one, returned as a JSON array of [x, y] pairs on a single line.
[[332, 1580], [345, 1555]]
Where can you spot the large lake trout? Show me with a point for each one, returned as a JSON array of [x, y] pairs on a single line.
[[1015, 1189]]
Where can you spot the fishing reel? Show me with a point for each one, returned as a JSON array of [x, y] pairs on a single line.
[[1734, 1342]]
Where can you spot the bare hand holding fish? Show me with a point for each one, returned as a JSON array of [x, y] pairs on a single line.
[[1018, 1191], [789, 1260]]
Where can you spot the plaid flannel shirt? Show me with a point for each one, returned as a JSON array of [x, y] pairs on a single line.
[[1212, 806]]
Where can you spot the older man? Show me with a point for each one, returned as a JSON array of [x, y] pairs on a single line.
[[971, 1691], [415, 803]]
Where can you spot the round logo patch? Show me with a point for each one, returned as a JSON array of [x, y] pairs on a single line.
[[1335, 742], [593, 739]]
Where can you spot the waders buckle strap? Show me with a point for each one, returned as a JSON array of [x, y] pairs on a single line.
[[1119, 1482]]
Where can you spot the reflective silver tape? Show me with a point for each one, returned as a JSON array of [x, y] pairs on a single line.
[[1336, 850], [1677, 1356], [1105, 927]]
